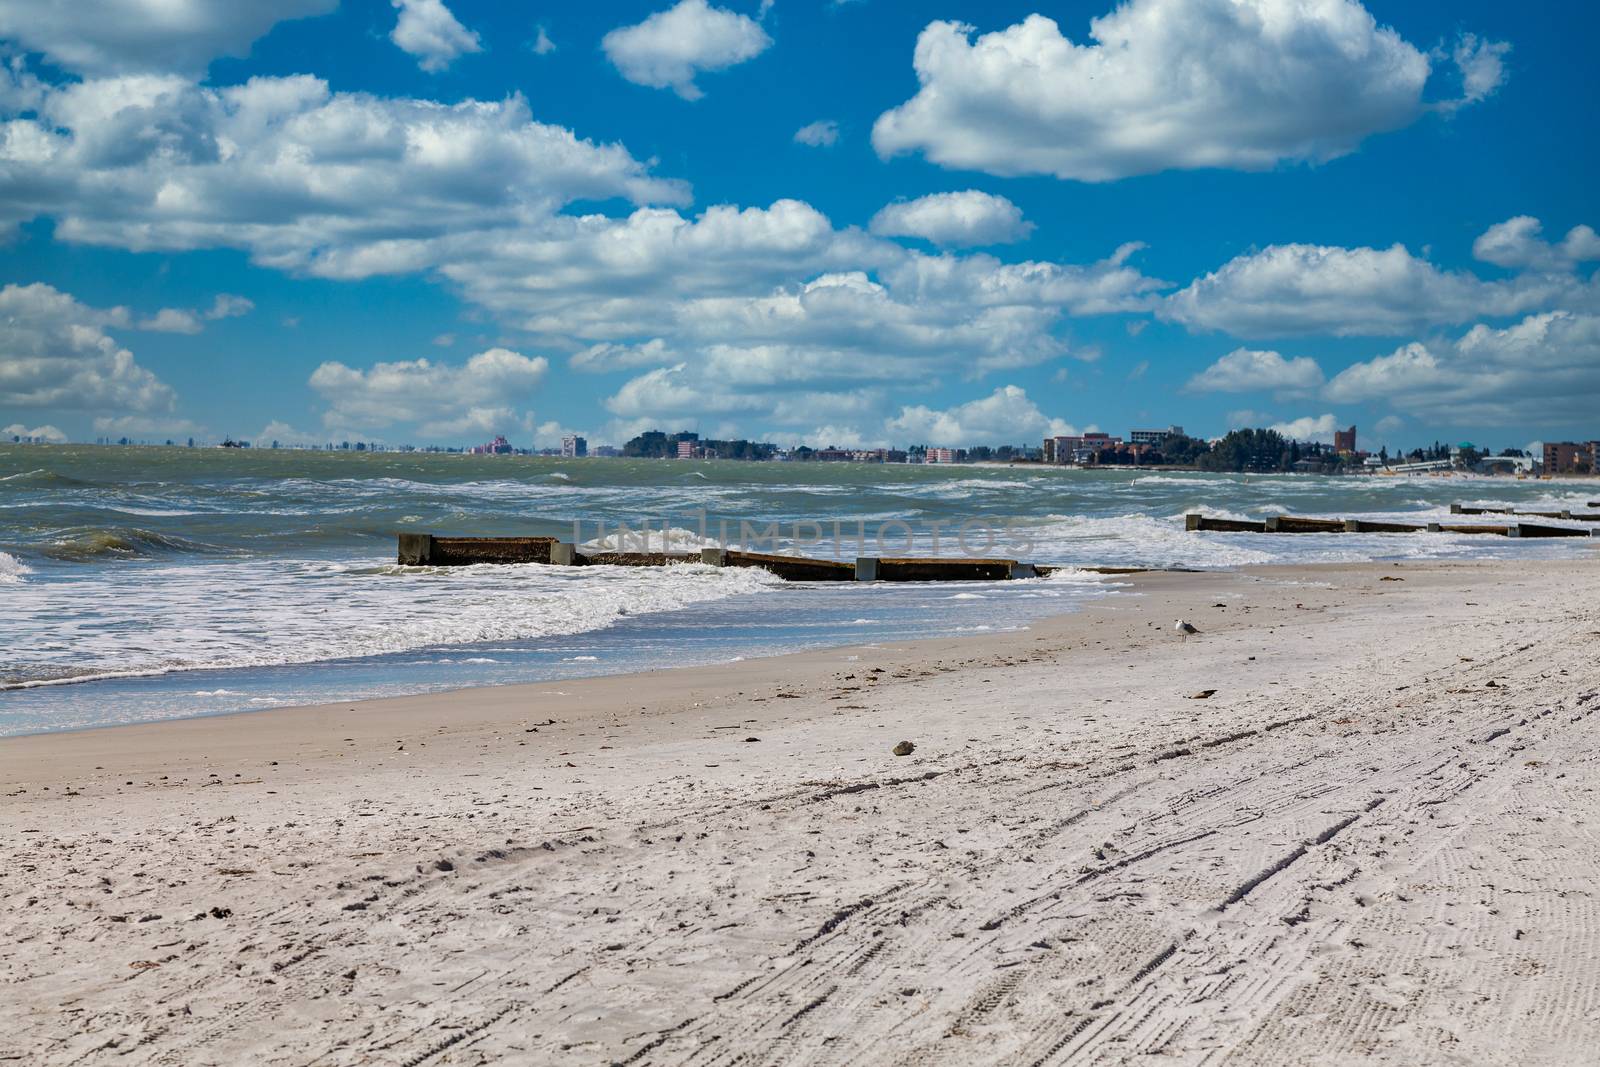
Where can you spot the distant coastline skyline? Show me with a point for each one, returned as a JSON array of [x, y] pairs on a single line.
[[1346, 446], [808, 223]]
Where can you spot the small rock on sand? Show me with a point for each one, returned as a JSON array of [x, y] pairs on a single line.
[[904, 748]]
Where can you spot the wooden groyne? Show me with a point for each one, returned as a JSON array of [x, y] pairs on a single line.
[[427, 550], [1300, 524]]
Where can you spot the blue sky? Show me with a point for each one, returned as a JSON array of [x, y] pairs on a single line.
[[809, 221]]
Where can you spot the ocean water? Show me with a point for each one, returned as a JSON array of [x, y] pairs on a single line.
[[147, 583]]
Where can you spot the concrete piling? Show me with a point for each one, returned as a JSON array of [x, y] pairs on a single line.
[[943, 569], [791, 568], [1579, 516], [1528, 529], [1300, 524], [1194, 521], [426, 550], [1366, 526], [1295, 524]]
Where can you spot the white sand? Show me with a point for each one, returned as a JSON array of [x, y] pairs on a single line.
[[1376, 842]]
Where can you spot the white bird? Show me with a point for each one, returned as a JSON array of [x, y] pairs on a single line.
[[1184, 628]]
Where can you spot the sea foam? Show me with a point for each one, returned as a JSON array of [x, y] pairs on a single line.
[[12, 569]]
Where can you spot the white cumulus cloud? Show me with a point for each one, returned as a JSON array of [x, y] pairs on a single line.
[[229, 306], [1293, 289], [962, 219], [1309, 428], [1247, 370], [285, 434], [1166, 84], [305, 179], [480, 396], [759, 302], [668, 49], [426, 29], [38, 433], [820, 134], [1005, 416], [1545, 369], [608, 356], [184, 320], [121, 36], [1517, 243], [763, 295], [1482, 66], [55, 354]]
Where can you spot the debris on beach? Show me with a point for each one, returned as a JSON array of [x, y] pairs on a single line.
[[904, 748]]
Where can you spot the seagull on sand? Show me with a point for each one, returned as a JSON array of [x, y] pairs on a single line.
[[1185, 628]]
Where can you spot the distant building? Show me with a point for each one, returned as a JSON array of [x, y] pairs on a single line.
[[574, 447], [940, 455], [686, 449], [1571, 457], [1154, 437], [1344, 440], [498, 447], [1079, 448], [878, 455], [608, 451], [1520, 464]]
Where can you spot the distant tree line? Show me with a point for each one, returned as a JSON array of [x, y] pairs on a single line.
[[1241, 451], [654, 444], [1260, 451]]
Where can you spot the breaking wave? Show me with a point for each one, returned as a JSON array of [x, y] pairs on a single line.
[[11, 569], [120, 542]]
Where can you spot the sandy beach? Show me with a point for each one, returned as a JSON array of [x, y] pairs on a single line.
[[1353, 820]]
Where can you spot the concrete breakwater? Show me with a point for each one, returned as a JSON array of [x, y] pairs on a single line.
[[428, 550], [1289, 524], [1577, 516]]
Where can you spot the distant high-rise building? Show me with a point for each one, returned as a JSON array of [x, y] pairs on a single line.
[[498, 447], [1079, 448], [1154, 437], [685, 449], [1344, 440], [940, 455], [574, 447], [1570, 457]]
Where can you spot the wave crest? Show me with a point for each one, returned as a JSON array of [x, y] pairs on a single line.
[[120, 542]]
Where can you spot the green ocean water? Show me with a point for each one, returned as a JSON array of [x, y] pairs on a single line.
[[144, 575]]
